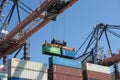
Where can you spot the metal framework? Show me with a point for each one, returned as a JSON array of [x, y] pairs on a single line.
[[94, 38], [50, 8]]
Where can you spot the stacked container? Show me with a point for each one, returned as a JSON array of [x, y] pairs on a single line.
[[64, 69], [26, 70], [96, 72], [67, 52], [3, 72], [51, 50], [58, 49]]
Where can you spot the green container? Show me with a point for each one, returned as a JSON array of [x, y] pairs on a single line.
[[50, 50]]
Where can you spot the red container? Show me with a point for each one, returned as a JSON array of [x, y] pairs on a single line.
[[57, 76], [65, 70], [96, 75]]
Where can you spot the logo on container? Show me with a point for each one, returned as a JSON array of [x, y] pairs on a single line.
[[89, 64], [3, 69], [17, 60], [54, 49]]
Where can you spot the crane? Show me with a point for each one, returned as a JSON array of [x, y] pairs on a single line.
[[111, 60], [95, 36], [100, 58], [47, 11]]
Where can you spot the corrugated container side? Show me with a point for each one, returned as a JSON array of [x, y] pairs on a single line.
[[51, 50], [68, 53], [14, 78], [65, 70], [91, 79], [23, 64], [56, 76], [3, 76], [64, 62], [28, 74], [67, 48], [3, 69], [98, 68], [98, 75]]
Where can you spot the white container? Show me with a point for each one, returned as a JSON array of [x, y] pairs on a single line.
[[4, 32], [97, 68], [29, 65], [3, 69], [28, 74], [3, 76]]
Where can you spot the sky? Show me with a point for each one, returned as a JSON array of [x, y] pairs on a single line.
[[73, 26]]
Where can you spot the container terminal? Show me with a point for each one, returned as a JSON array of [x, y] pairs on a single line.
[[63, 62]]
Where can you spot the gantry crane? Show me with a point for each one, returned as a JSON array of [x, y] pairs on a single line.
[[111, 60], [47, 11], [94, 38], [92, 55]]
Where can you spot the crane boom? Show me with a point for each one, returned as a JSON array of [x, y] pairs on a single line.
[[10, 47], [26, 21], [112, 60]]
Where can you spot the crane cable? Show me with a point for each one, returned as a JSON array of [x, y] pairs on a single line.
[[8, 18], [113, 27], [110, 31], [64, 26], [84, 42], [2, 5], [25, 5], [53, 30], [91, 40], [20, 48], [114, 33]]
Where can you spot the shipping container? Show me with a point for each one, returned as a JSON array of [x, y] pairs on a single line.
[[65, 70], [96, 72], [91, 79], [28, 74], [97, 68], [68, 53], [3, 69], [64, 62], [14, 78], [98, 75], [57, 76], [51, 50], [67, 48], [29, 65], [3, 76]]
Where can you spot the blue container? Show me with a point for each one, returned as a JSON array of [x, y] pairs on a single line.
[[64, 62], [14, 78], [68, 53]]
